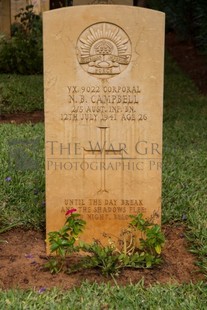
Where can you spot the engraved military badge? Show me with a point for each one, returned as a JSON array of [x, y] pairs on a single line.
[[104, 50]]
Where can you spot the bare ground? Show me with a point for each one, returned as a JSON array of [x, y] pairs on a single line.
[[22, 258]]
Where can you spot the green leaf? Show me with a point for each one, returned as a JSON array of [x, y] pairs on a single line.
[[148, 264], [158, 249], [54, 247]]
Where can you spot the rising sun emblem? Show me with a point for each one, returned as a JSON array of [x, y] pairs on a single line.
[[104, 50]]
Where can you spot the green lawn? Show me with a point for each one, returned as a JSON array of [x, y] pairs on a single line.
[[185, 158], [20, 93], [22, 175], [184, 194], [104, 297]]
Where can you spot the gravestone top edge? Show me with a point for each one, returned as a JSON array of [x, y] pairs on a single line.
[[107, 6]]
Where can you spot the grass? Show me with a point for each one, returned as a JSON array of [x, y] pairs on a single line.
[[185, 146], [184, 200], [104, 296], [185, 160], [20, 93], [22, 176]]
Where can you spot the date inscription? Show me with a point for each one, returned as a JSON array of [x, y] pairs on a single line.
[[103, 103]]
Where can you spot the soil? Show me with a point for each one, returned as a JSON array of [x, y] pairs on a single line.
[[22, 255], [22, 117]]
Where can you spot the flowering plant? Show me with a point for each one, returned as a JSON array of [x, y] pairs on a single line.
[[62, 242], [133, 252]]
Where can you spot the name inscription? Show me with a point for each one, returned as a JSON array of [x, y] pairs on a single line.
[[102, 103]]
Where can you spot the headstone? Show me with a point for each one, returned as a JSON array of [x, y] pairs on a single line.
[[103, 84], [86, 2], [15, 8], [39, 6], [5, 17]]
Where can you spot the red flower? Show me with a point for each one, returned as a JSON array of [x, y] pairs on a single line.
[[70, 211]]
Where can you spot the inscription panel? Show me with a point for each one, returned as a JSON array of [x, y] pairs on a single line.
[[103, 103], [103, 128]]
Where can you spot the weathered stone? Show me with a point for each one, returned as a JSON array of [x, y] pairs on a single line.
[[5, 17], [103, 115]]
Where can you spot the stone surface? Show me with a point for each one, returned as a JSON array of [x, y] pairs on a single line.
[[86, 2], [5, 17], [103, 115], [8, 10], [15, 8], [39, 6]]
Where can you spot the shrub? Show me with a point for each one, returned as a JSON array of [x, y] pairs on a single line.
[[23, 52], [187, 18]]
